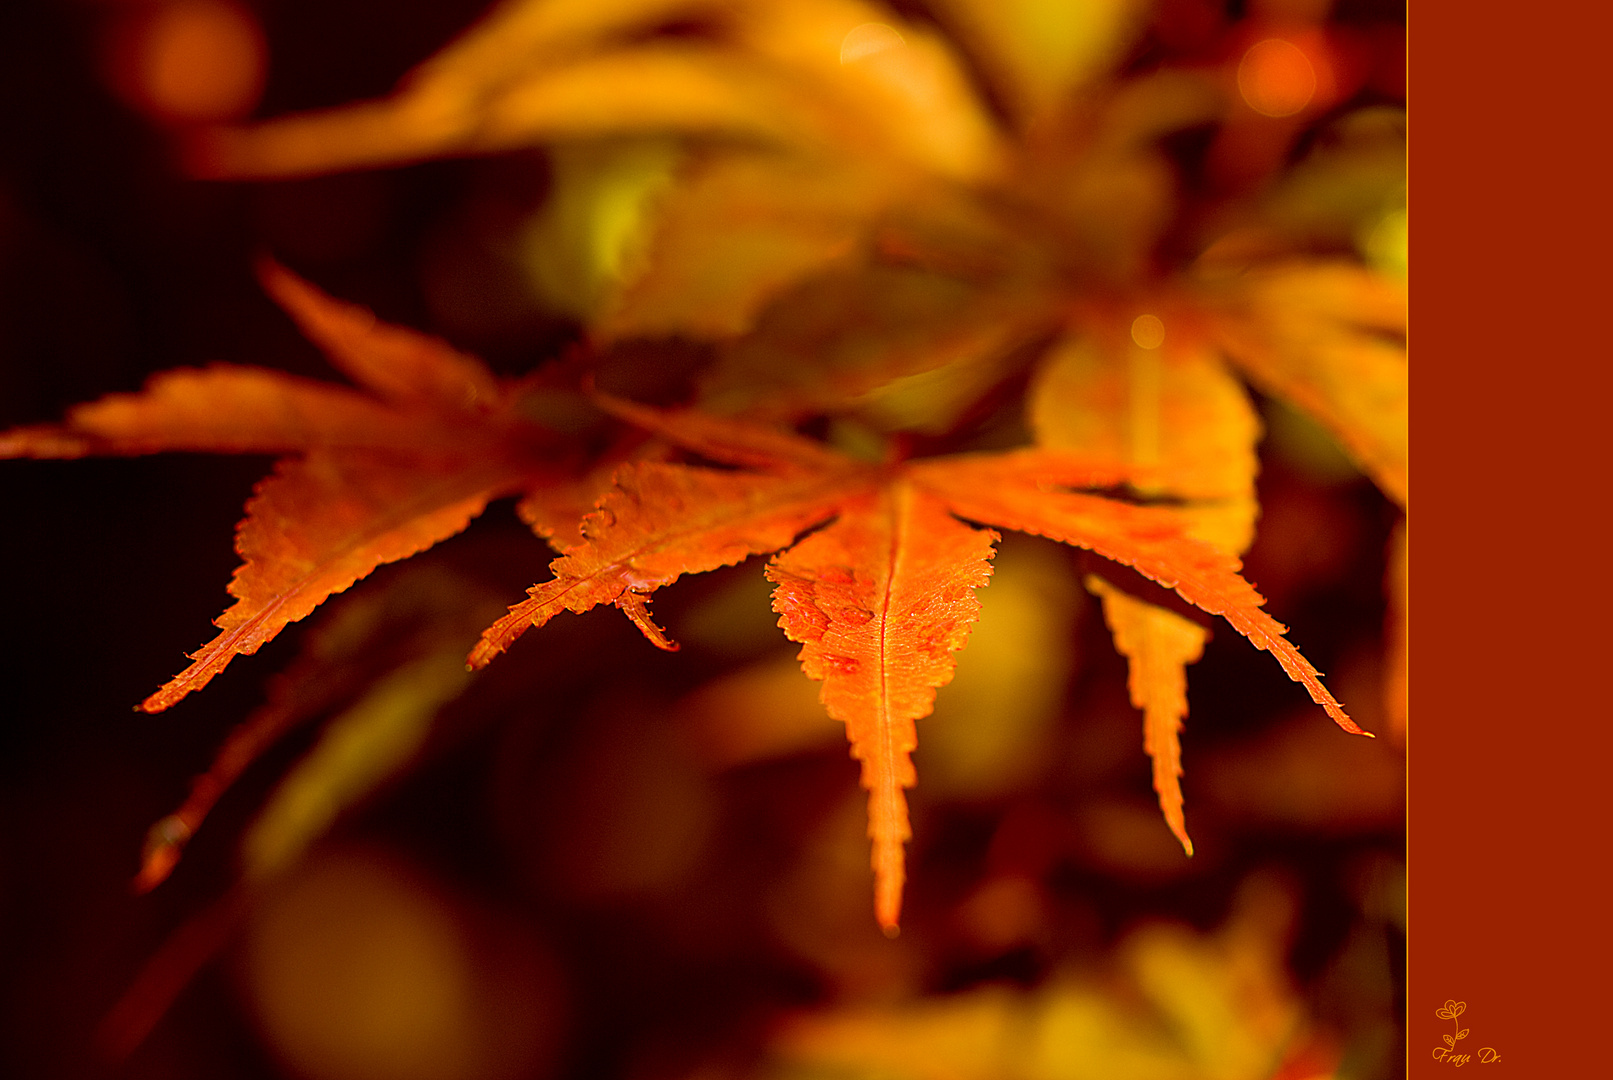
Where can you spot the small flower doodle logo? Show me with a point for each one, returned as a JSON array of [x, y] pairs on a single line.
[[1452, 1010]]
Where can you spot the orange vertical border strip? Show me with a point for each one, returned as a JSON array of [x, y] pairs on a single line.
[[1511, 612]]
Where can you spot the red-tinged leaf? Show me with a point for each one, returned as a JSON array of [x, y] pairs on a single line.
[[881, 597], [318, 525], [220, 409], [379, 481], [440, 403], [555, 511], [880, 600], [661, 522], [1174, 409], [394, 361], [1158, 645], [636, 606], [1015, 491]]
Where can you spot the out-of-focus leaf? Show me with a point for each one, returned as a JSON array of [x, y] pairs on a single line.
[[835, 338], [334, 667], [630, 813], [732, 441], [761, 711], [648, 89], [1039, 51], [1121, 837], [933, 402], [1305, 446], [818, 910], [1328, 337], [1384, 243], [1102, 179], [364, 966], [1345, 187], [777, 72], [1173, 412], [582, 245], [1227, 1001], [897, 95], [519, 36], [370, 647], [739, 227], [361, 640], [357, 751], [1357, 990], [1175, 1005], [221, 409], [1289, 778], [399, 364], [387, 660], [1007, 911], [991, 727]]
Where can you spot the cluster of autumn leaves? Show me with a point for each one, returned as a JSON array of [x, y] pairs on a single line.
[[879, 228]]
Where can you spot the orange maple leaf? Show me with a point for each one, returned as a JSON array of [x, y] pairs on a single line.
[[883, 594], [373, 475]]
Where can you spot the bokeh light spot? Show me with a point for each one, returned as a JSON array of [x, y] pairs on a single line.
[[867, 40], [1276, 78], [194, 60], [360, 969], [1148, 331]]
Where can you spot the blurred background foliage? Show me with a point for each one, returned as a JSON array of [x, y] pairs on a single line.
[[597, 859]]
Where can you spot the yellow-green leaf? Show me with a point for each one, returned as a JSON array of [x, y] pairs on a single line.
[[358, 750]]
